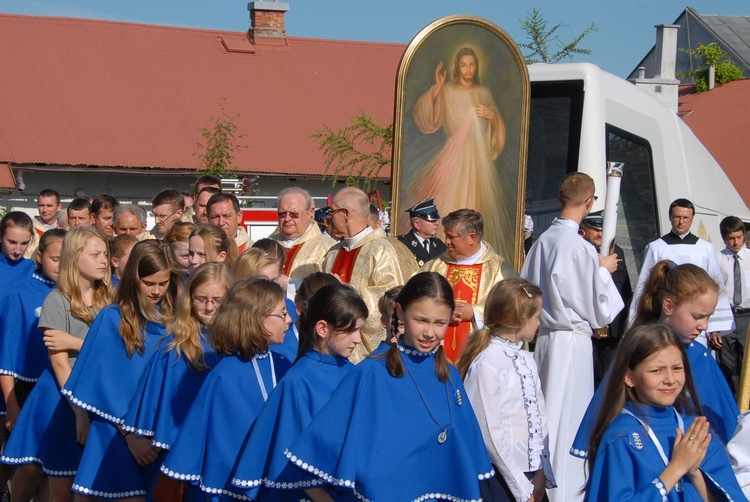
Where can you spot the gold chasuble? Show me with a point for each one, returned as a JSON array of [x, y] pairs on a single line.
[[373, 267], [465, 281], [243, 241], [743, 393], [471, 283], [307, 254]]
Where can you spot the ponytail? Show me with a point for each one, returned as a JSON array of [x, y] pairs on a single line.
[[478, 341], [649, 304], [393, 358]]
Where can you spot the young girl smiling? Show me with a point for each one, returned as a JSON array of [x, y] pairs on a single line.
[[400, 426], [645, 445]]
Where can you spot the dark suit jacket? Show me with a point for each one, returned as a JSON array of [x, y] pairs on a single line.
[[437, 247]]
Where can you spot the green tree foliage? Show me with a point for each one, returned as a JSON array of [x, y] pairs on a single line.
[[712, 55], [359, 151], [544, 44], [221, 140]]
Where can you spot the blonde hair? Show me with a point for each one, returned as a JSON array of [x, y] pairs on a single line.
[[251, 262], [119, 245], [186, 327], [68, 284], [215, 241], [179, 232], [238, 326], [509, 306], [576, 188], [147, 258]]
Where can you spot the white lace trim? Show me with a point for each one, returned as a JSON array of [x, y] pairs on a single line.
[[161, 445], [138, 432], [208, 489], [729, 498], [269, 483], [17, 376], [578, 453], [347, 483], [531, 405], [35, 460], [415, 352], [108, 495], [659, 485], [88, 407], [263, 355]]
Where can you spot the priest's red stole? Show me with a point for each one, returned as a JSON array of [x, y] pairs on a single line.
[[290, 253], [241, 249], [344, 263], [464, 280]]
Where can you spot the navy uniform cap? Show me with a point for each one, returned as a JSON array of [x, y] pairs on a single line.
[[321, 214], [594, 222], [424, 209]]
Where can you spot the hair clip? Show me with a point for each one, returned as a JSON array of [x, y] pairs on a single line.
[[487, 328], [671, 266], [527, 292], [394, 339]]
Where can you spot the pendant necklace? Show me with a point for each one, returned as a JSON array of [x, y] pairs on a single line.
[[443, 436]]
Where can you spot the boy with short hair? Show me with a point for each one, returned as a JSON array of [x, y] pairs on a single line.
[[119, 252], [166, 207]]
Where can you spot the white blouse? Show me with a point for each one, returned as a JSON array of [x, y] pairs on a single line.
[[503, 387]]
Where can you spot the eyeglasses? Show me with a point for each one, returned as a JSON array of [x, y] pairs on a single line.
[[292, 215], [594, 197], [334, 211], [202, 302], [681, 218], [280, 315], [161, 217]]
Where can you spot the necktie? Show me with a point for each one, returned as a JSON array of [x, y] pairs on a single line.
[[426, 245], [737, 300]]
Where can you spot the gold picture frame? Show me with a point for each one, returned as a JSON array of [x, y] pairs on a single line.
[[448, 142]]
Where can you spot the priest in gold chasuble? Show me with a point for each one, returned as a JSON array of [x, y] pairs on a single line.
[[304, 244], [366, 259], [472, 267]]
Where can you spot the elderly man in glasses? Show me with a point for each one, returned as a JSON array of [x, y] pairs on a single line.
[[304, 244]]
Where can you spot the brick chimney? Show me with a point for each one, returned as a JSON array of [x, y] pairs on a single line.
[[267, 20]]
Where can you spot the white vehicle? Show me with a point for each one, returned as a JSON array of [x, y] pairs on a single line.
[[582, 117]]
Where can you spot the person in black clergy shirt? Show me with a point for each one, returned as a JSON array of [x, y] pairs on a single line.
[[422, 240], [605, 346]]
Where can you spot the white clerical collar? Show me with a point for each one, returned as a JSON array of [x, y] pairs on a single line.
[[352, 242], [471, 260], [682, 237], [289, 243]]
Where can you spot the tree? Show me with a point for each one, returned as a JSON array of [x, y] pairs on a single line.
[[222, 137], [359, 151], [544, 45], [712, 55]]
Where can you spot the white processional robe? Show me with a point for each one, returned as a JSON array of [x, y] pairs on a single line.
[[682, 250], [579, 296]]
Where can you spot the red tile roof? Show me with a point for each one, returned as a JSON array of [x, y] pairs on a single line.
[[720, 119], [101, 93]]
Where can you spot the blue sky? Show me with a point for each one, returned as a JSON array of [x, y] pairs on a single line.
[[626, 28]]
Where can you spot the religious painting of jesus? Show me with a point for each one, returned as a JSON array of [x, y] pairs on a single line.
[[461, 128]]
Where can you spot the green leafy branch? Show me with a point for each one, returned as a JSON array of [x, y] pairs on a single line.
[[216, 154], [544, 45], [712, 55], [359, 151]]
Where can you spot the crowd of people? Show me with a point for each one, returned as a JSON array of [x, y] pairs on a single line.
[[333, 362]]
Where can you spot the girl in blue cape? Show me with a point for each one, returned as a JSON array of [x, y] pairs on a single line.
[[330, 329], [117, 464], [184, 358], [251, 317], [502, 381], [399, 426], [683, 297], [266, 259], [23, 355], [646, 445], [45, 437], [16, 234]]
